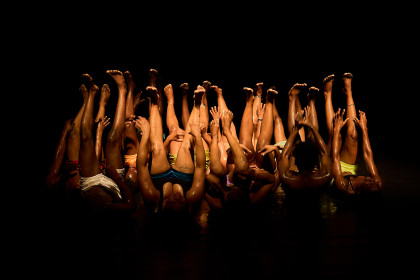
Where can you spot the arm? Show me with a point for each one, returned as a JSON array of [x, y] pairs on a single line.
[[367, 150], [216, 166], [150, 194], [339, 180], [54, 172], [196, 193]]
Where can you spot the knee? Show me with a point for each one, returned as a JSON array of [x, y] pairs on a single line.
[[112, 137], [85, 134]]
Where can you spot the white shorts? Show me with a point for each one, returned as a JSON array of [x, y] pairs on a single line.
[[100, 180]]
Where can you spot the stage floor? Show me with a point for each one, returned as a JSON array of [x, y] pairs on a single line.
[[373, 236]]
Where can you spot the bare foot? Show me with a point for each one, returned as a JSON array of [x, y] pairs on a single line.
[[118, 78], [249, 93], [296, 88], [129, 79], [153, 74], [327, 84], [153, 94], [271, 94], [226, 118], [83, 90], [217, 90], [87, 80], [105, 93], [312, 93], [169, 93], [184, 88], [347, 78], [258, 89], [206, 85], [198, 94]]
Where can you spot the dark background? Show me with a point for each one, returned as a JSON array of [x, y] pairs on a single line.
[[231, 47]]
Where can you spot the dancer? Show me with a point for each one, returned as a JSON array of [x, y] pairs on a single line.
[[103, 193], [176, 190], [306, 156], [346, 182]]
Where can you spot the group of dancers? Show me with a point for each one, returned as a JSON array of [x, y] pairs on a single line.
[[208, 163]]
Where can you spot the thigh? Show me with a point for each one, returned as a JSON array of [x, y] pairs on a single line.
[[184, 161], [160, 162]]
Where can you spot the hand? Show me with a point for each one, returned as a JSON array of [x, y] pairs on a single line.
[[299, 118], [260, 110], [338, 119], [267, 149], [247, 151], [103, 122], [203, 129], [142, 124], [361, 121], [214, 127], [214, 111]]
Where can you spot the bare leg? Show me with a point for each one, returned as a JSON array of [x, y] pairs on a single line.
[[131, 140], [223, 107], [350, 146], [279, 134], [73, 140], [266, 133], [105, 93], [311, 103], [293, 104], [171, 119], [247, 126], [185, 114], [113, 145], [87, 157], [329, 110], [257, 102], [204, 108], [159, 160], [184, 161]]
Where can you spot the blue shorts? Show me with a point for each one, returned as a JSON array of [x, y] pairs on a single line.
[[173, 174]]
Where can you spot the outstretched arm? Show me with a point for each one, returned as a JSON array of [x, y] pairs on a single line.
[[196, 193], [54, 172], [339, 180], [150, 194], [367, 150]]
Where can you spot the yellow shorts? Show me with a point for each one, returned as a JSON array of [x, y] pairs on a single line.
[[349, 168]]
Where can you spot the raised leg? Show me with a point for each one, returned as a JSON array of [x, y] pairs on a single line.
[[73, 140], [266, 133], [293, 107], [87, 157], [159, 159], [113, 145], [329, 110], [350, 146], [278, 128], [247, 126], [185, 114]]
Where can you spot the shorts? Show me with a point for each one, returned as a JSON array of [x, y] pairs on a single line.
[[173, 174], [100, 180]]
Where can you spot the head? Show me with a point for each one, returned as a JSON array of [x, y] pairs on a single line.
[[175, 203], [235, 199], [306, 155]]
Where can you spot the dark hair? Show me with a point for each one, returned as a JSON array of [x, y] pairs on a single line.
[[306, 155]]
